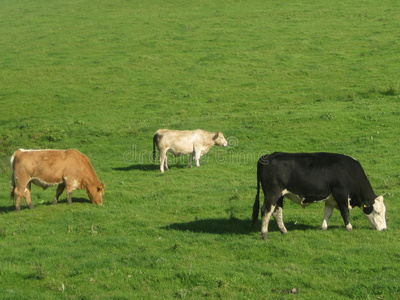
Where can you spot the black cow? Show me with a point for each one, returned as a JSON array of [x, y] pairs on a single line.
[[305, 178]]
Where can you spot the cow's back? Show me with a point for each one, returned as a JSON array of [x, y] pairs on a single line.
[[37, 160], [311, 169], [50, 165], [177, 141], [176, 134]]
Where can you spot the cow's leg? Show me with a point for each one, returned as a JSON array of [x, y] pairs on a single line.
[[266, 212], [60, 189], [18, 196], [166, 162], [27, 195], [69, 188], [345, 215], [197, 157], [163, 160], [278, 216], [19, 192], [343, 204], [191, 159], [69, 198], [270, 201], [23, 184], [327, 214]]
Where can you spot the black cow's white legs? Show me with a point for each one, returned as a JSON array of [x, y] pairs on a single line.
[[343, 205], [327, 214], [265, 217], [277, 214]]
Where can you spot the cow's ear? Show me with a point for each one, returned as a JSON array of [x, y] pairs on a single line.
[[367, 209], [101, 187], [218, 134]]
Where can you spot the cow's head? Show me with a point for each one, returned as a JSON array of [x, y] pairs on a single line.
[[96, 193], [375, 214], [219, 139]]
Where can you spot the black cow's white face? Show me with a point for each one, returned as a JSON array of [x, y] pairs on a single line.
[[377, 216]]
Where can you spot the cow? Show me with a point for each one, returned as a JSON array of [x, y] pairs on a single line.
[[305, 178], [193, 142], [69, 169]]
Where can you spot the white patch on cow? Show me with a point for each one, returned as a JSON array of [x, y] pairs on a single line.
[[294, 197], [349, 227], [285, 192], [348, 203], [330, 204], [324, 225], [36, 150], [75, 184], [265, 221], [300, 200], [278, 216], [42, 183], [377, 217]]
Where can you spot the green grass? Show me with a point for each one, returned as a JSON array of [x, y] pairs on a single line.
[[103, 76]]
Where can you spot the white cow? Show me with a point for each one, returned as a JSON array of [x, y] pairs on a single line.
[[194, 142]]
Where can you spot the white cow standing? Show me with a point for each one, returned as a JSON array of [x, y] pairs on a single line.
[[194, 142]]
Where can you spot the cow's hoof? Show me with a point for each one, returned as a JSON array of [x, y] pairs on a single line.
[[30, 206], [18, 208], [284, 231], [324, 228], [264, 235], [349, 227]]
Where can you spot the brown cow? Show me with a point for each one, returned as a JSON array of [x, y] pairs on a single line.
[[196, 142], [69, 169]]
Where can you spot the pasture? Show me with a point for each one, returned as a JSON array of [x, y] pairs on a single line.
[[291, 76]]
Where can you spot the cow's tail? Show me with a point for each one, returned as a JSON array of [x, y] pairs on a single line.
[[12, 182], [154, 146], [256, 206]]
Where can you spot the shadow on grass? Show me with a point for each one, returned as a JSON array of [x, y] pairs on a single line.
[[142, 167], [232, 226], [11, 208], [7, 209], [74, 200], [148, 167]]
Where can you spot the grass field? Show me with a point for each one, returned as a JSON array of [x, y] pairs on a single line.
[[103, 76]]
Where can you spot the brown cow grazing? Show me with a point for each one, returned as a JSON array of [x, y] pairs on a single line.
[[193, 142], [69, 169]]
